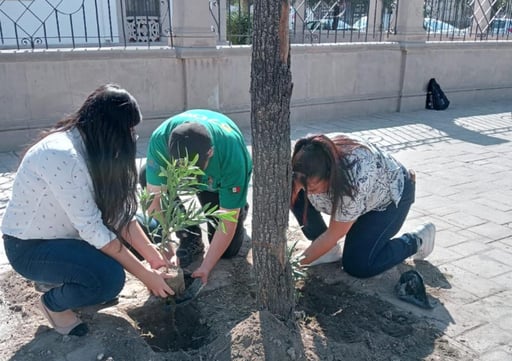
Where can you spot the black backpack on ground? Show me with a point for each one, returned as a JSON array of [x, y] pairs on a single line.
[[436, 99]]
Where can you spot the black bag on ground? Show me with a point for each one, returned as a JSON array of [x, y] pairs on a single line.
[[436, 99]]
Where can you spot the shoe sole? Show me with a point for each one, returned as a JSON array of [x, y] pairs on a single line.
[[77, 328]]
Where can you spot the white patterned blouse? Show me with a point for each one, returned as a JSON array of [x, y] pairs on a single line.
[[53, 195], [379, 180]]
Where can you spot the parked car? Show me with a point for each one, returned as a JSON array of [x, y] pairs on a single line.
[[361, 23], [327, 24], [342, 25], [435, 26], [501, 26], [315, 25]]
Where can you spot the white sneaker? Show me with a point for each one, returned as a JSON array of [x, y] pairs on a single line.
[[427, 234], [332, 255]]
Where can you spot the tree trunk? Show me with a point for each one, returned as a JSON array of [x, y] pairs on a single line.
[[271, 89]]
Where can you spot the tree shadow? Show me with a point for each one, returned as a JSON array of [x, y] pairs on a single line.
[[241, 330], [362, 316], [396, 131], [435, 278]]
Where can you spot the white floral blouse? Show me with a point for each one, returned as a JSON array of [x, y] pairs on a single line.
[[379, 181]]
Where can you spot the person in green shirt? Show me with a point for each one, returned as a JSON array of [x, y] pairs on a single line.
[[227, 166]]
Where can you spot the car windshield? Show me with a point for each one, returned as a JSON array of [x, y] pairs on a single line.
[[501, 24], [328, 24]]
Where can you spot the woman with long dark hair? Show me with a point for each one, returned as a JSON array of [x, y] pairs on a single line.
[[367, 194], [72, 208]]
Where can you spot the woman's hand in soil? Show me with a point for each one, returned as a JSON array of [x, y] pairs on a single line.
[[163, 259], [155, 282], [157, 260], [201, 273]]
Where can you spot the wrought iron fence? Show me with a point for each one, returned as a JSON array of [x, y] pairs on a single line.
[[34, 24], [468, 19], [322, 21], [319, 21], [83, 23]]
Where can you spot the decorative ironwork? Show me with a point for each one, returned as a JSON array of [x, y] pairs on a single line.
[[470, 19], [32, 42], [165, 27], [91, 23], [331, 21], [143, 28], [83, 23], [215, 15]]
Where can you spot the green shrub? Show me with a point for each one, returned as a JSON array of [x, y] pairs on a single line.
[[239, 29]]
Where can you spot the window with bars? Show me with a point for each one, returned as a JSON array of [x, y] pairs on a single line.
[[143, 20]]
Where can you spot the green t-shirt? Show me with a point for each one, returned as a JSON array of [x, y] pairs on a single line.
[[229, 169]]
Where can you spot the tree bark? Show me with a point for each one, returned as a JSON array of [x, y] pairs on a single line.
[[271, 89]]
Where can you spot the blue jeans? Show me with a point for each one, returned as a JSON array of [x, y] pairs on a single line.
[[87, 276], [369, 247]]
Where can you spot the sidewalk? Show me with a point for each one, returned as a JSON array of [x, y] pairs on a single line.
[[462, 158]]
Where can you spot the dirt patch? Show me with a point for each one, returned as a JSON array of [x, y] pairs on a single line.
[[337, 319]]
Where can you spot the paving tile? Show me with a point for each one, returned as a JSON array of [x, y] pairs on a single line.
[[486, 212], [503, 353], [494, 310], [492, 231], [478, 339], [463, 220], [482, 266], [499, 255], [507, 241], [442, 255], [452, 236], [501, 244], [469, 247], [469, 281]]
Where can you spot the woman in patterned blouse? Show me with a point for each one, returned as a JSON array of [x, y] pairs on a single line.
[[72, 208], [368, 195]]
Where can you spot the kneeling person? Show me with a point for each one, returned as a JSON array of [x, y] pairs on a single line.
[[227, 164]]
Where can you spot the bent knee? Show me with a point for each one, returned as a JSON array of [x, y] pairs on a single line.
[[357, 270], [113, 283]]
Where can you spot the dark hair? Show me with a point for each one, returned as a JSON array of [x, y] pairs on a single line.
[[105, 121], [188, 140], [317, 156]]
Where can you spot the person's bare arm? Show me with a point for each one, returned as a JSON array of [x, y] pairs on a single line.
[[155, 204], [326, 241], [220, 242], [136, 237], [153, 279]]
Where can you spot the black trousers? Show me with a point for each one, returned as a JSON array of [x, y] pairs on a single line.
[[212, 198]]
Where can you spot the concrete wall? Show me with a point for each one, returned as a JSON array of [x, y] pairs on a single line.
[[330, 81]]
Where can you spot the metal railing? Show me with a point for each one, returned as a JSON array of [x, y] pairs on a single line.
[[343, 21], [43, 24], [334, 21], [468, 20], [321, 21]]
